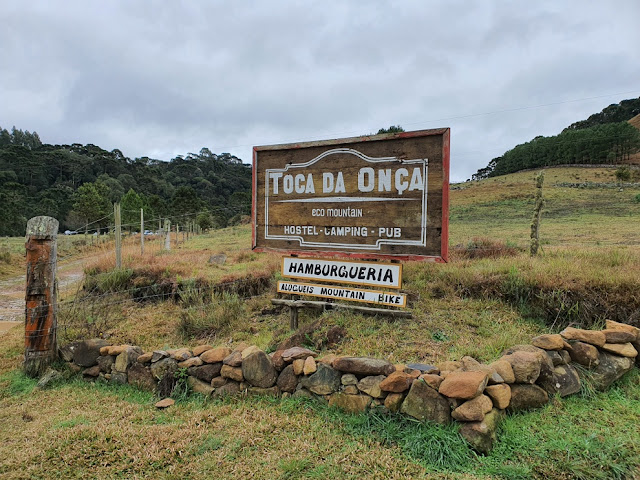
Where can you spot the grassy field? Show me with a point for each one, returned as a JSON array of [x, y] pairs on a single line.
[[490, 296]]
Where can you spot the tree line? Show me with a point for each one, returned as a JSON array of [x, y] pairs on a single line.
[[604, 138], [78, 184]]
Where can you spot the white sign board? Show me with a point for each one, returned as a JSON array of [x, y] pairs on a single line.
[[343, 293], [375, 274]]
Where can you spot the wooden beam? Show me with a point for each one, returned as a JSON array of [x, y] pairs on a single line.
[[295, 304]]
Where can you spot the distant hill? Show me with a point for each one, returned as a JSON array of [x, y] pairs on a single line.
[[608, 137], [77, 184]]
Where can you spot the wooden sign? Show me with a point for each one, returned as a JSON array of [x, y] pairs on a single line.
[[380, 196], [343, 293], [372, 274]]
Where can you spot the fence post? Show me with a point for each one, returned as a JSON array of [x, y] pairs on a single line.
[[40, 344], [141, 231], [116, 213], [167, 238]]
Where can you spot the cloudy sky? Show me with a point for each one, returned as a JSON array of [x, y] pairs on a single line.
[[161, 78]]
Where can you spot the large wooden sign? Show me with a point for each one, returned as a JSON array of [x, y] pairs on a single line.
[[381, 196]]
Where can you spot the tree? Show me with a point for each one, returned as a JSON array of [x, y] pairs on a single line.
[[391, 129], [130, 205], [91, 202]]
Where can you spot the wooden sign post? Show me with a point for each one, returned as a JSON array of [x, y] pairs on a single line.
[[41, 295]]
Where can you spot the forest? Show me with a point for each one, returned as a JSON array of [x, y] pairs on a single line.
[[78, 184], [604, 138]]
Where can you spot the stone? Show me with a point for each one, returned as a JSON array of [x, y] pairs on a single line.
[[166, 384], [423, 368], [585, 354], [325, 381], [525, 396], [610, 369], [295, 353], [116, 349], [504, 369], [371, 385], [217, 259], [141, 377], [393, 402], [611, 325], [556, 358], [165, 403], [91, 371], [565, 381], [234, 359], [350, 403], [469, 364], [350, 389], [424, 403], [250, 351], [229, 388], [200, 349], [482, 435], [160, 368], [349, 379], [264, 392], [216, 355], [287, 380], [546, 365], [181, 354], [66, 351], [500, 395], [217, 382], [548, 342], [327, 359], [525, 365], [103, 351], [566, 357], [190, 362], [145, 357], [363, 366], [105, 363], [309, 366], [473, 410], [464, 385], [434, 381], [449, 366], [234, 373], [86, 353], [397, 382], [158, 355], [414, 373], [206, 372], [593, 337], [198, 386], [335, 335], [298, 366], [118, 378], [258, 370], [622, 349], [617, 335], [277, 360], [125, 359]]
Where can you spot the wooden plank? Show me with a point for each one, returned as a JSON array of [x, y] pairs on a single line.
[[339, 306]]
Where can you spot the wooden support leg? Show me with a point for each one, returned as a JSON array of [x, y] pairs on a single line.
[[293, 322]]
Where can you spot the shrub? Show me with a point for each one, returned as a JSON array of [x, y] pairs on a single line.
[[204, 318]]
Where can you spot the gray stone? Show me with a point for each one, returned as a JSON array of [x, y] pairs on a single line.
[[525, 397], [295, 353], [424, 403], [555, 357], [349, 379], [585, 354], [66, 351], [105, 362], [350, 403], [268, 392], [423, 367], [229, 388], [218, 259], [234, 359], [49, 378], [87, 352], [258, 370], [164, 366], [371, 386], [287, 380], [140, 376], [126, 359], [118, 378], [610, 369], [206, 373], [482, 435], [158, 355], [363, 366], [565, 381], [325, 381]]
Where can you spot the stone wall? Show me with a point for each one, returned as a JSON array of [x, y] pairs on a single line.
[[476, 395]]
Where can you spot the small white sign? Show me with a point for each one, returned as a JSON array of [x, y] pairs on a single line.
[[376, 274], [343, 293]]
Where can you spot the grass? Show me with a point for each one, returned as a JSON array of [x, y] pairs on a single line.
[[490, 296]]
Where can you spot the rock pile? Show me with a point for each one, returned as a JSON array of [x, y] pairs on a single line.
[[467, 391]]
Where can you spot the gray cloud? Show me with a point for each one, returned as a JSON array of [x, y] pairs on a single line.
[[161, 79]]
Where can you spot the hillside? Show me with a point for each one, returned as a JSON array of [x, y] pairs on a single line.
[[607, 137], [77, 184]]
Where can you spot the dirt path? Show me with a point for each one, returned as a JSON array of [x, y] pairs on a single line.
[[12, 292]]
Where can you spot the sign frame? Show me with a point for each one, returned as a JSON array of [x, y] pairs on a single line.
[[338, 287], [320, 250]]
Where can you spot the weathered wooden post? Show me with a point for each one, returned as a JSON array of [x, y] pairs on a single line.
[[118, 219], [537, 213], [41, 295], [167, 238]]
